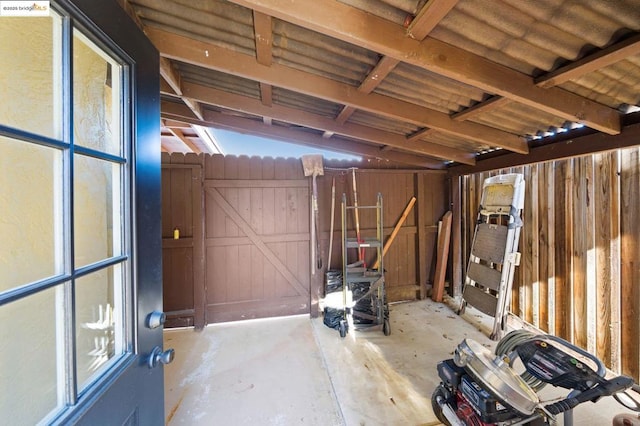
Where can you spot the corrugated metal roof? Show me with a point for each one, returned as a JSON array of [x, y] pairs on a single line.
[[530, 37]]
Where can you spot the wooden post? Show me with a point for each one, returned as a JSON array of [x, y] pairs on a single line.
[[441, 262]]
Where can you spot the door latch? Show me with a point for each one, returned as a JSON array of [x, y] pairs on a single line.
[[155, 319]]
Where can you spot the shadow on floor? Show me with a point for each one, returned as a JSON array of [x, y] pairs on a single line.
[[297, 371]]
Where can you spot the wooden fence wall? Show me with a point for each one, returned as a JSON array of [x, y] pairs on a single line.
[[579, 276], [251, 257]]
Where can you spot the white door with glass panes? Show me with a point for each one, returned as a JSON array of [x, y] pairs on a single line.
[[80, 251]]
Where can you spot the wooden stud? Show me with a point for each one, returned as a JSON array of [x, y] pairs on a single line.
[[443, 254]]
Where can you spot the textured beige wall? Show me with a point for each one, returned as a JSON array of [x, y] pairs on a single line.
[[30, 199], [27, 173]]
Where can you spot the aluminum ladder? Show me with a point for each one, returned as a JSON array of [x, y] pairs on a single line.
[[494, 251]]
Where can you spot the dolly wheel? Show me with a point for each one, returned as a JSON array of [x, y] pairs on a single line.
[[437, 410], [342, 328], [386, 327]]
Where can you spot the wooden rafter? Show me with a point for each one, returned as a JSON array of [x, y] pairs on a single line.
[[188, 50], [266, 94], [490, 104], [344, 115], [371, 81], [176, 111], [352, 25], [126, 5], [423, 133], [211, 96], [263, 36], [426, 20], [428, 17], [170, 75], [596, 61], [193, 106], [377, 74], [178, 133]]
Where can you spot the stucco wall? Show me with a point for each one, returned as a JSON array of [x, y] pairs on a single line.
[[31, 214]]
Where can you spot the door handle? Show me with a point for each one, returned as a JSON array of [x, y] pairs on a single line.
[[157, 357]]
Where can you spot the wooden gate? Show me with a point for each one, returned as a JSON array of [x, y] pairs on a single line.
[[182, 245], [257, 248]]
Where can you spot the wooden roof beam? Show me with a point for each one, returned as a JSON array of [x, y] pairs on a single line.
[[190, 51], [126, 5], [175, 111], [573, 147], [266, 94], [371, 81], [194, 106], [172, 124], [414, 137], [262, 29], [185, 140], [211, 96], [170, 75], [352, 25], [425, 21], [490, 104], [263, 35], [605, 57], [429, 17]]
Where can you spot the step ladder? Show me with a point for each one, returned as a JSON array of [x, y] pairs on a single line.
[[494, 251]]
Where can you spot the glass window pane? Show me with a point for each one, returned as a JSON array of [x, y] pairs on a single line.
[[97, 210], [98, 322], [28, 355], [30, 212], [96, 97], [30, 78]]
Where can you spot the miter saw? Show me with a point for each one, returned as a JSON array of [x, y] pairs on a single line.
[[482, 388]]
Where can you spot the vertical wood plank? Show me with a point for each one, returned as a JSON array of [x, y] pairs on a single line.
[[562, 263], [603, 236], [551, 245], [199, 265], [578, 251], [420, 213], [614, 258], [543, 247], [443, 252], [456, 236], [630, 261], [591, 273], [534, 238]]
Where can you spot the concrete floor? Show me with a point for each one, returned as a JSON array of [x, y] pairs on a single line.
[[297, 371]]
